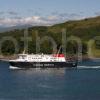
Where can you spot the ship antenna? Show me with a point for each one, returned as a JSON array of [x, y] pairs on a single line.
[[59, 50], [24, 52]]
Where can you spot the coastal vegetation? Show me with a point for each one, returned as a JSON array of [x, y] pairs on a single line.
[[86, 30]]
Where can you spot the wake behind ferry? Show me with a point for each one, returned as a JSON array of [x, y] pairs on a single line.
[[41, 61]]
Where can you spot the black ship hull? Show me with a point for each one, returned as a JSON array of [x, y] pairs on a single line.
[[43, 64]]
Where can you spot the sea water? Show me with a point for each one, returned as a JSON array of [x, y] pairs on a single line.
[[82, 83]]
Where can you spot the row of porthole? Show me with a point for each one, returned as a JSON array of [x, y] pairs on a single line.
[[34, 58]]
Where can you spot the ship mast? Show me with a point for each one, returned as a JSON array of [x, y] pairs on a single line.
[[23, 52], [59, 50]]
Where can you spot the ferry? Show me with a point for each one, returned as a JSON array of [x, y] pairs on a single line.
[[42, 61]]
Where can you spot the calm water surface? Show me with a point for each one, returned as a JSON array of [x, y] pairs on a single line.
[[82, 83]]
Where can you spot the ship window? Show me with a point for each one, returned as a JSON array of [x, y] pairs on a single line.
[[39, 58]]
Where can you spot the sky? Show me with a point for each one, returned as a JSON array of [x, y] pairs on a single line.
[[45, 12]]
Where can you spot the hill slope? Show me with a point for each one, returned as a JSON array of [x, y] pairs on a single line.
[[84, 29]]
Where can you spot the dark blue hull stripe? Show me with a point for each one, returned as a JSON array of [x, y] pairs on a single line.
[[43, 64]]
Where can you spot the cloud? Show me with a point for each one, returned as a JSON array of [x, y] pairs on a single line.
[[34, 20], [1, 12], [8, 22], [12, 13], [69, 15], [37, 20], [97, 13]]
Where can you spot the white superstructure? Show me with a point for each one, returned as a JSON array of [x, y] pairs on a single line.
[[40, 58]]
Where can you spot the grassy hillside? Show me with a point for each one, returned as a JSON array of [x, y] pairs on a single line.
[[84, 29]]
